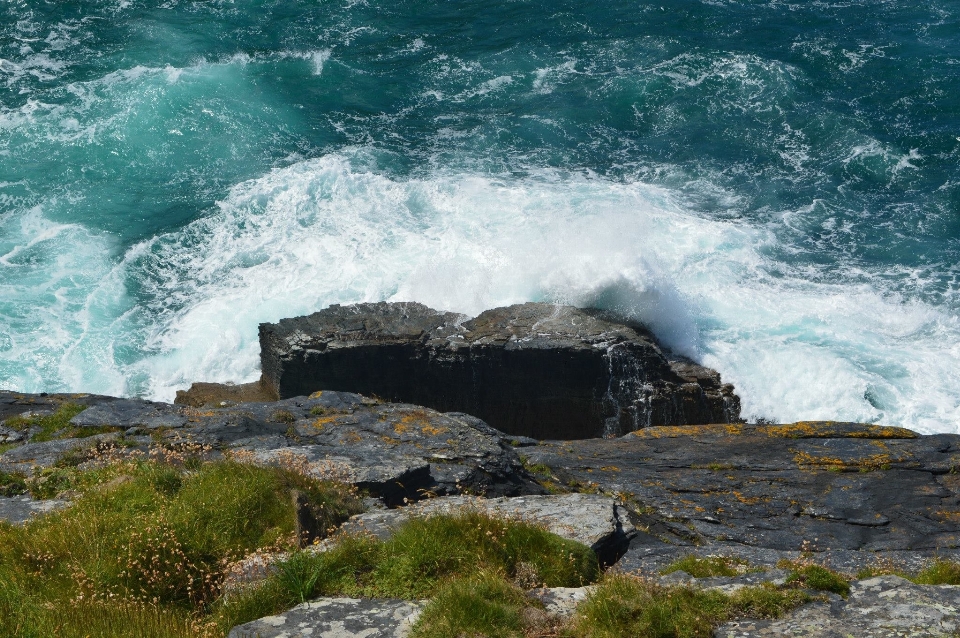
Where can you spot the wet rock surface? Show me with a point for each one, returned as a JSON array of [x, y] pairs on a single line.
[[336, 618], [534, 369]]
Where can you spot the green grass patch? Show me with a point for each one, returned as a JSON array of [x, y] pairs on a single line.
[[421, 558], [157, 537], [939, 571], [816, 577], [709, 566], [623, 605], [480, 605], [12, 484]]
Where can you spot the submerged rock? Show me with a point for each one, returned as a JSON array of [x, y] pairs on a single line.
[[535, 369]]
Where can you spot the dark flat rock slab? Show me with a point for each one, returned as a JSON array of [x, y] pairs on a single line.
[[32, 456], [799, 487], [532, 369], [129, 413], [13, 404], [336, 618]]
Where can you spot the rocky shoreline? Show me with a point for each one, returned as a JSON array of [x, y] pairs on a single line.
[[845, 495]]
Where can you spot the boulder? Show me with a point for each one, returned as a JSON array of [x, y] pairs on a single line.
[[20, 509], [535, 369], [336, 617]]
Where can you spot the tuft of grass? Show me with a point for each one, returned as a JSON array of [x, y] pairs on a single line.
[[284, 416], [12, 484], [155, 536], [624, 605], [483, 604], [939, 572], [418, 561], [708, 566], [816, 577], [766, 601]]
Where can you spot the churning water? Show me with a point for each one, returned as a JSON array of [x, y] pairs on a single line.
[[773, 187]]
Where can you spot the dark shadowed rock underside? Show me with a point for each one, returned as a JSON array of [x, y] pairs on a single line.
[[533, 369]]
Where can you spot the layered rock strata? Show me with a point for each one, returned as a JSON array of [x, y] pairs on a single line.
[[534, 369]]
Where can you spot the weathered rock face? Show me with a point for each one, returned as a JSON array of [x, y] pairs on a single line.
[[539, 370], [819, 487], [396, 452]]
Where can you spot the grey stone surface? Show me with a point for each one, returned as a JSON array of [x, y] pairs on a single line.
[[882, 607], [814, 487], [131, 413], [13, 404], [534, 369], [20, 509], [336, 618], [396, 452], [31, 456], [561, 601], [595, 521]]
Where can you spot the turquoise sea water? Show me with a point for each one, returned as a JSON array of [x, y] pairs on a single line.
[[774, 187]]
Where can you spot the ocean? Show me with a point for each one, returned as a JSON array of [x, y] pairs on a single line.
[[773, 187]]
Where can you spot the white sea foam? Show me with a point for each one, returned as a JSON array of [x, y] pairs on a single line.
[[320, 232], [327, 231]]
